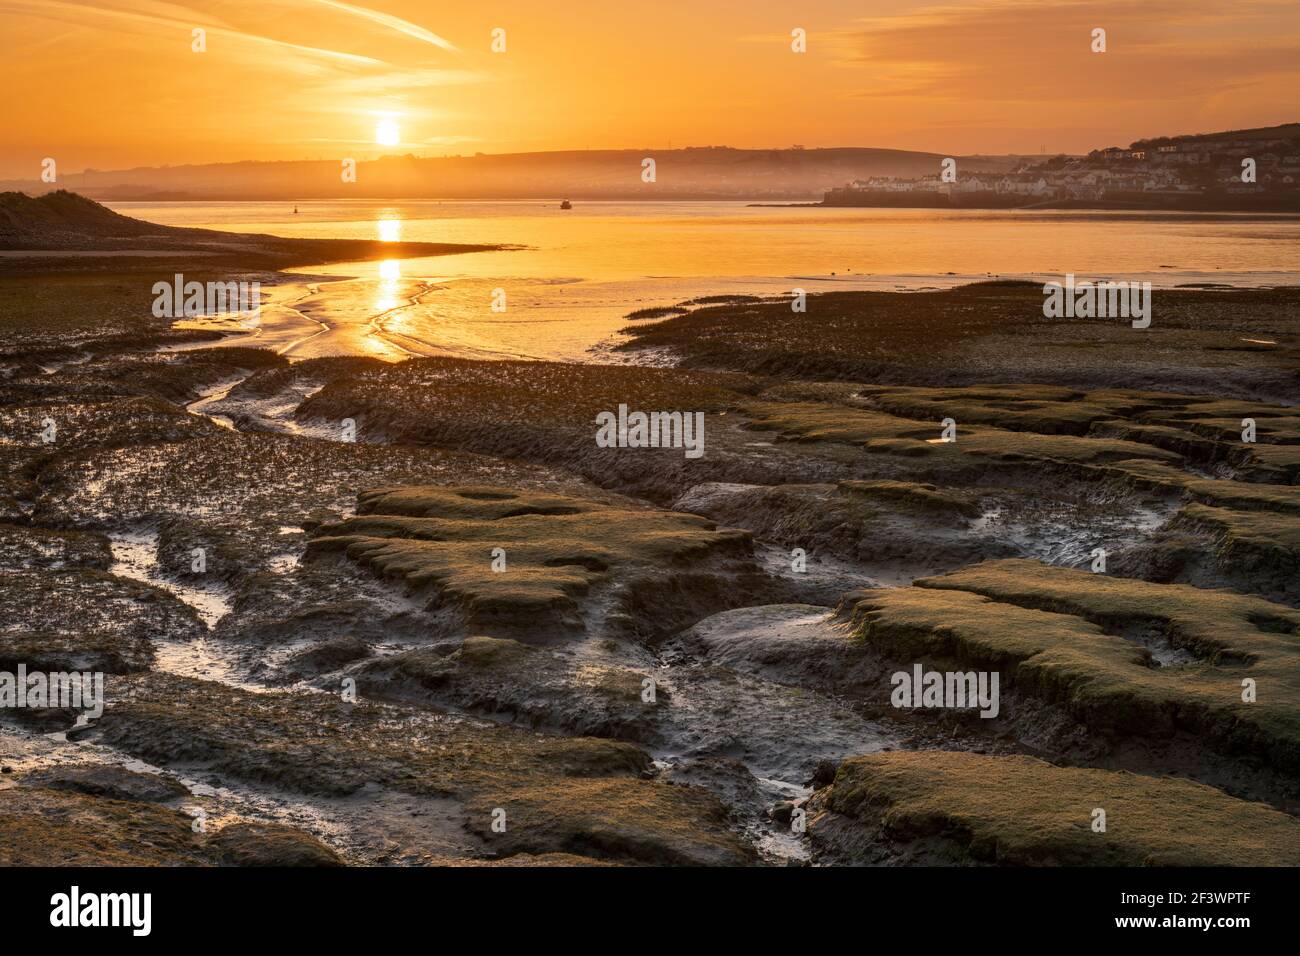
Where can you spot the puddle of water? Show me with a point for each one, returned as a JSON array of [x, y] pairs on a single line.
[[829, 576], [1162, 651], [273, 414], [1058, 537], [210, 397], [283, 563], [135, 556], [777, 841], [201, 659], [1167, 656], [332, 820]]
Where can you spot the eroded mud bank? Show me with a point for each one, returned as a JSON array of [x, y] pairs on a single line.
[[322, 650]]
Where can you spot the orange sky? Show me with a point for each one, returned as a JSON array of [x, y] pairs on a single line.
[[113, 83]]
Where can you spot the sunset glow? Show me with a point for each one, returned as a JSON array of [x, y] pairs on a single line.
[[520, 443], [387, 133], [290, 79]]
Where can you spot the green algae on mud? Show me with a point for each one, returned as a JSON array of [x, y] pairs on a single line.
[[58, 828], [519, 561], [882, 433], [961, 808], [102, 815], [243, 488], [705, 712], [1120, 435], [314, 743], [647, 822], [1072, 637], [44, 320], [1256, 544]]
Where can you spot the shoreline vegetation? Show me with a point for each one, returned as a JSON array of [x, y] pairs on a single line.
[[651, 674]]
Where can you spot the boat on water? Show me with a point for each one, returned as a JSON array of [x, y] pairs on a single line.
[[566, 204]]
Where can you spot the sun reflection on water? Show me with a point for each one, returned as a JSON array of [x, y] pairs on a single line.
[[390, 274]]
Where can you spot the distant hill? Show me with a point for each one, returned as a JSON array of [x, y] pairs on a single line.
[[694, 173], [1189, 173], [1286, 131]]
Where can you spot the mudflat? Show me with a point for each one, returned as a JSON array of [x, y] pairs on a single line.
[[361, 611]]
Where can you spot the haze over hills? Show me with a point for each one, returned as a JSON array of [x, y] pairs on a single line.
[[692, 173], [704, 172]]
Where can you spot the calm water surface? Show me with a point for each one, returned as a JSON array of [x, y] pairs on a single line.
[[568, 292]]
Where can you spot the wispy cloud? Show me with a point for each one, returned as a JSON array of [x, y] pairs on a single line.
[[394, 23], [393, 82], [1006, 72], [173, 20], [1017, 51]]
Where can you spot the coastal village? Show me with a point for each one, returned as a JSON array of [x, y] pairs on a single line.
[[1179, 172]]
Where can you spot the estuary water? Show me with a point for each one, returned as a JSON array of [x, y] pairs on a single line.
[[578, 273]]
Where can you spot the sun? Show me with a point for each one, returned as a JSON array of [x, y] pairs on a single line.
[[387, 133]]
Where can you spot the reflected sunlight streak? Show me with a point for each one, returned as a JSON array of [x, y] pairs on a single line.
[[390, 274]]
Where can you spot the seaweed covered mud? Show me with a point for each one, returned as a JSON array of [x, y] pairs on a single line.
[[352, 611]]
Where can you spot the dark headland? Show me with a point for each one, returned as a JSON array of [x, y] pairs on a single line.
[[52, 229]]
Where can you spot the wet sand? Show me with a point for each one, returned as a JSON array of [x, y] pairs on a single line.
[[377, 309]]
